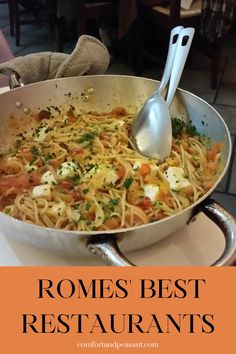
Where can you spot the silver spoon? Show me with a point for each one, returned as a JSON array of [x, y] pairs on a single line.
[[151, 127]]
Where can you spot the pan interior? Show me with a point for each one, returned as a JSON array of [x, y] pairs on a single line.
[[102, 93]]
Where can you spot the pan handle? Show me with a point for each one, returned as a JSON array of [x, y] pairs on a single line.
[[106, 246], [226, 222]]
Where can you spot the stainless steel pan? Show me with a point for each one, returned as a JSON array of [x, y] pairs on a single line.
[[104, 93]]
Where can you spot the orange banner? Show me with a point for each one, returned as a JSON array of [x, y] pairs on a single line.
[[107, 309]]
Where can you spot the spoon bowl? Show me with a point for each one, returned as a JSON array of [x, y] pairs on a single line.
[[151, 127], [153, 135]]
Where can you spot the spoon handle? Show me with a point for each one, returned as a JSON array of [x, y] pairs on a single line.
[[181, 53], [174, 35]]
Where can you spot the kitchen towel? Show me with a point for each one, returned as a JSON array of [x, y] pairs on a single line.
[[89, 56]]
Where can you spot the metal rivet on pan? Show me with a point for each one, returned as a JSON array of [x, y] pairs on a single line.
[[90, 91], [18, 104], [26, 110], [85, 97], [91, 249]]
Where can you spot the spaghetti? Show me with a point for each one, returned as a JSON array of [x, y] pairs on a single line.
[[80, 171]]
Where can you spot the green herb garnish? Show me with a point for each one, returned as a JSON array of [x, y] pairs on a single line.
[[178, 125], [87, 138], [35, 150], [48, 157], [75, 178], [88, 206], [128, 182], [85, 191], [114, 202]]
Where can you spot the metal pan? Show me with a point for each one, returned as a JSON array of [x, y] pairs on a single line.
[[104, 93]]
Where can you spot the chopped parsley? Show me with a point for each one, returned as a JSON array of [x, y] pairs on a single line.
[[75, 178], [88, 206], [87, 138], [49, 157], [85, 191], [178, 125], [128, 182], [35, 150], [112, 203]]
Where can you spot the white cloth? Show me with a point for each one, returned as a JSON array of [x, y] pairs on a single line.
[[90, 56]]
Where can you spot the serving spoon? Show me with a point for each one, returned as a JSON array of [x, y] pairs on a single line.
[[151, 127]]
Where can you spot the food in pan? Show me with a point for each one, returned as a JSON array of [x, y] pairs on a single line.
[[79, 171]]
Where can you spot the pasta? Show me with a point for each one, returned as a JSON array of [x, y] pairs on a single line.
[[79, 171]]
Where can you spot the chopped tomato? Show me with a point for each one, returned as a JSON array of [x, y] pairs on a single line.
[[54, 163], [112, 223], [145, 169], [27, 155], [21, 181], [77, 149], [34, 179], [89, 216], [211, 154], [7, 200], [119, 112], [66, 185], [43, 114], [145, 203], [121, 171], [76, 195], [16, 184]]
